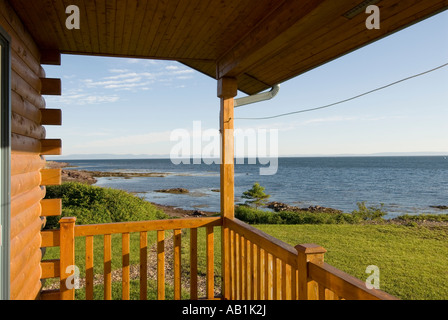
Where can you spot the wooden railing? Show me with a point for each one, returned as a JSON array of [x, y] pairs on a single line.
[[265, 268], [65, 239], [259, 266]]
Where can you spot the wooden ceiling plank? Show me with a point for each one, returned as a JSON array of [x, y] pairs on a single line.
[[344, 40], [153, 30], [182, 26], [244, 21], [195, 26], [319, 22], [101, 24], [220, 16], [318, 62], [268, 29], [142, 30], [111, 13], [60, 7], [83, 34], [163, 27], [119, 25], [173, 28], [91, 23], [130, 24], [139, 23], [210, 26]]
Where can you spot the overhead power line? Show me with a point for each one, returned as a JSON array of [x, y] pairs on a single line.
[[349, 99]]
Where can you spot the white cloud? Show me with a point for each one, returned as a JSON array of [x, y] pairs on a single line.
[[129, 141], [83, 99]]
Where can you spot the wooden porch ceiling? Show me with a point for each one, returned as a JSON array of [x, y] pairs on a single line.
[[260, 42]]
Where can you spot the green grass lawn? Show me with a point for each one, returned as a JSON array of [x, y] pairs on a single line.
[[413, 261]]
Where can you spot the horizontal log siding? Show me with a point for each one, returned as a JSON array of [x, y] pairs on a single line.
[[26, 162]]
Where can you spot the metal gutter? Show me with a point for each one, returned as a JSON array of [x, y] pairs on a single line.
[[257, 97]]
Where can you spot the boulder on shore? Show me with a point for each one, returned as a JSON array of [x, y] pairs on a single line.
[[279, 207], [439, 207], [173, 190]]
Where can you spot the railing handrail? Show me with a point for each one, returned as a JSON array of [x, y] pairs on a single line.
[[141, 226], [343, 284], [270, 244]]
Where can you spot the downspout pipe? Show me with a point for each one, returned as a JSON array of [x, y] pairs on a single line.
[[257, 97]]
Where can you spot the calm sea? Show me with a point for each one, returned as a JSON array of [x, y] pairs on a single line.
[[404, 184]]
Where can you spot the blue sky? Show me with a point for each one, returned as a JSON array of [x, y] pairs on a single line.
[[131, 106]]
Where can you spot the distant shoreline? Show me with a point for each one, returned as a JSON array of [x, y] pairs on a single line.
[[93, 157]]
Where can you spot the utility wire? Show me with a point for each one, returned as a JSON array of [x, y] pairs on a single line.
[[349, 99]]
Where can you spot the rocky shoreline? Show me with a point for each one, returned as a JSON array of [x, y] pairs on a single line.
[[89, 177]]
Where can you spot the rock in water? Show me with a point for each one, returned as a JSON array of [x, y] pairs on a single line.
[[173, 190]]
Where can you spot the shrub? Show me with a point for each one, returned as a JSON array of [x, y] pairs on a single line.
[[369, 213], [255, 216], [91, 204], [256, 195]]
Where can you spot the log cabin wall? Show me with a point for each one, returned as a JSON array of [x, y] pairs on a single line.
[[28, 149]]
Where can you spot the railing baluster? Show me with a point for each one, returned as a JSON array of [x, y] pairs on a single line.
[[194, 264], [249, 272], [210, 263], [89, 268], [232, 264], [268, 278], [295, 284], [254, 272], [260, 268], [125, 248], [177, 264], [238, 266], [275, 275], [107, 267], [321, 292], [288, 286], [143, 265], [243, 267], [160, 265]]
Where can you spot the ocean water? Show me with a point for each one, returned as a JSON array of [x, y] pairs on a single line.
[[405, 185]]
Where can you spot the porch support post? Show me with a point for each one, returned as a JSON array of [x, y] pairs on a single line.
[[227, 90]]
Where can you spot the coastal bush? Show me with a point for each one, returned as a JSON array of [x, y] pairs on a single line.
[[91, 204], [424, 217], [254, 216], [369, 213]]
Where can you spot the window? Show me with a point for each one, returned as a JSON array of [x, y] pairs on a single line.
[[5, 159]]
